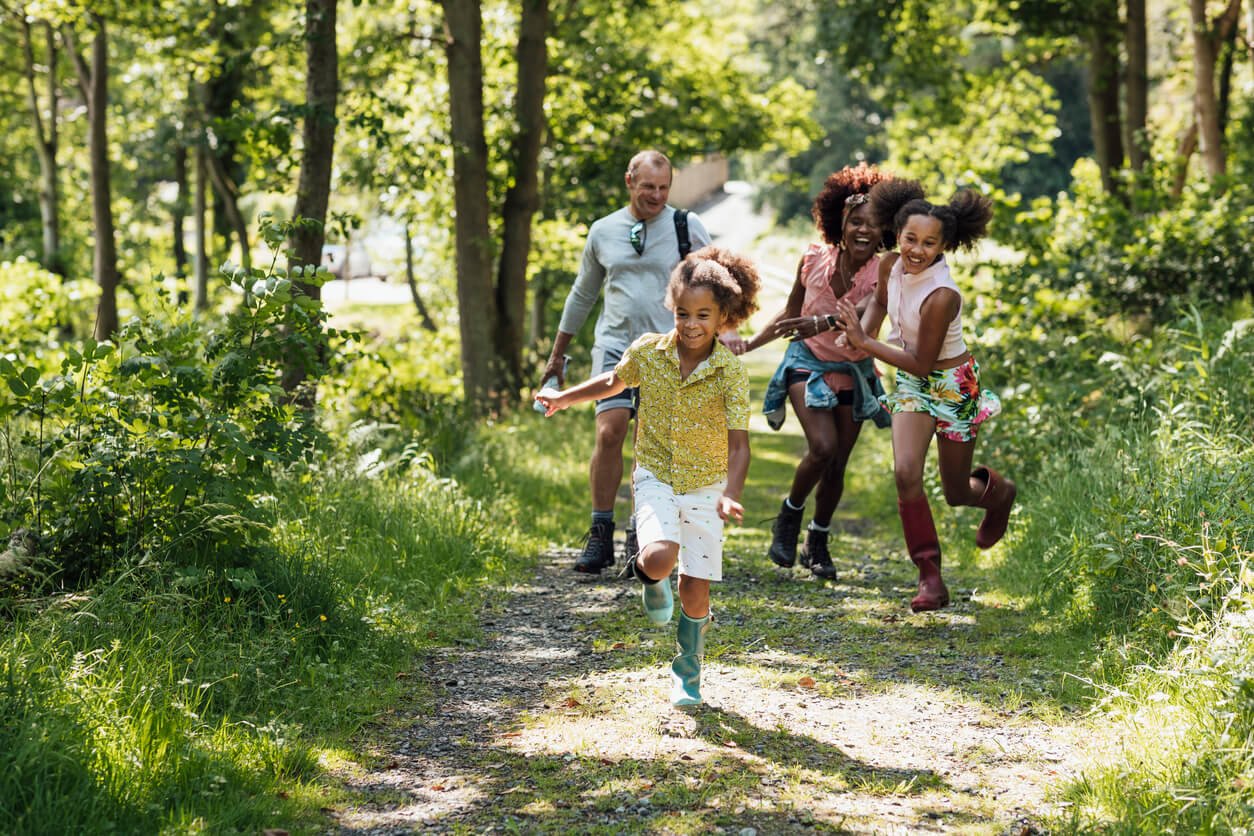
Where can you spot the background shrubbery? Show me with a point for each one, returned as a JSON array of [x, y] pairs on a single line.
[[1125, 344]]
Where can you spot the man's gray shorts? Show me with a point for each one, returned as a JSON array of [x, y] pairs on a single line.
[[604, 360]]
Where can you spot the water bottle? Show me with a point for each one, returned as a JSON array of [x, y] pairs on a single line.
[[552, 382]]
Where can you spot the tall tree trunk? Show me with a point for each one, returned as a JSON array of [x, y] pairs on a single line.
[[1207, 37], [1227, 61], [1103, 93], [424, 316], [228, 197], [313, 190], [540, 295], [477, 316], [93, 81], [46, 141], [522, 199], [178, 214], [200, 269], [1136, 84], [1188, 147]]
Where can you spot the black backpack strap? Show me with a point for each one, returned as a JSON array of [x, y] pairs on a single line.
[[681, 232]]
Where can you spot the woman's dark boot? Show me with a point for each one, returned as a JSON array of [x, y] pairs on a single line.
[[998, 498], [784, 531], [815, 556], [924, 548]]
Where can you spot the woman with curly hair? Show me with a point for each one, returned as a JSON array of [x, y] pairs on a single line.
[[938, 390], [832, 388]]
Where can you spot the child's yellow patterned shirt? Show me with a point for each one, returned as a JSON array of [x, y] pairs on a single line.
[[683, 424]]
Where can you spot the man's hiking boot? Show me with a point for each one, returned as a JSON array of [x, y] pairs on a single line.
[[598, 549], [784, 531], [815, 557]]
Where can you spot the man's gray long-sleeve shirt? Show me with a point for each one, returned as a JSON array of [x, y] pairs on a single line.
[[635, 284]]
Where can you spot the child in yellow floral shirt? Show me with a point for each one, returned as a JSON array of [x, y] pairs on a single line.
[[692, 446]]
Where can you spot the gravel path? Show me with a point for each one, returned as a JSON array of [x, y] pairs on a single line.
[[558, 722]]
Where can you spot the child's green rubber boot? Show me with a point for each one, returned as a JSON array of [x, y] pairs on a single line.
[[686, 667], [659, 603]]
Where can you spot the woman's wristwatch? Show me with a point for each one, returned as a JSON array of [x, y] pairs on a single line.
[[831, 322]]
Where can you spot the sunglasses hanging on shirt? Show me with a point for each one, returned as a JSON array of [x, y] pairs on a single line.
[[636, 236]]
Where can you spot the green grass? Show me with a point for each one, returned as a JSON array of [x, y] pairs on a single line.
[[180, 699], [215, 695]]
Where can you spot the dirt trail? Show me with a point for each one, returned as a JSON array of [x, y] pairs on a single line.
[[830, 708], [559, 723]]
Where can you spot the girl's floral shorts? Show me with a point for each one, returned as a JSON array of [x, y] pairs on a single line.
[[953, 397]]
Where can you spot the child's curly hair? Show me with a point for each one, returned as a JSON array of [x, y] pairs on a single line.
[[832, 202], [964, 220], [732, 279]]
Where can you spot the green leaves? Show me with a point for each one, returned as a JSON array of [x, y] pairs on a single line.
[[19, 381]]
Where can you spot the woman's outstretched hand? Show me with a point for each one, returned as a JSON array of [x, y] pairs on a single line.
[[849, 321], [801, 327], [734, 342]]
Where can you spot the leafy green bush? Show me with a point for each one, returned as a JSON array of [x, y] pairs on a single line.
[[36, 306], [402, 394], [1132, 450], [161, 441], [1148, 259]]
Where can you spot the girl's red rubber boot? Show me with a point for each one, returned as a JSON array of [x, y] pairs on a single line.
[[998, 498], [924, 548]]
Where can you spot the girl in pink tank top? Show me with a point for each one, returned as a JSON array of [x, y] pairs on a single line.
[[938, 390], [819, 380]]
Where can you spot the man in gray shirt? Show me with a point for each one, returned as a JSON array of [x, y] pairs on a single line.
[[629, 254]]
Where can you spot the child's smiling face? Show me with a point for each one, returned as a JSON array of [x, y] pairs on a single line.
[[920, 243], [698, 318]]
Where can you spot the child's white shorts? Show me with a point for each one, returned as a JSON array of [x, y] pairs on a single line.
[[689, 519]]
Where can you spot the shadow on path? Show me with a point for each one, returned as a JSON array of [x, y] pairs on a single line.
[[552, 724]]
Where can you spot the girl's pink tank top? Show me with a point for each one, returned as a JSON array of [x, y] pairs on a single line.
[[906, 293]]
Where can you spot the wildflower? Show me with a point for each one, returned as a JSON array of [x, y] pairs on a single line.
[[322, 618], [227, 599]]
